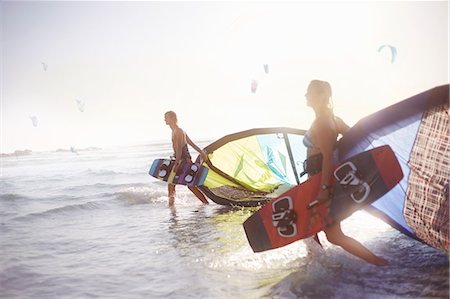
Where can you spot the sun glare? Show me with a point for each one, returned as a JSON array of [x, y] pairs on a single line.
[[246, 65]]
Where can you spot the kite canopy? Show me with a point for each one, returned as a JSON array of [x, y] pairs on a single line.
[[80, 105], [392, 49], [251, 167], [34, 120], [418, 131], [254, 85]]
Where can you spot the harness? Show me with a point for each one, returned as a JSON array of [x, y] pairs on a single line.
[[312, 165]]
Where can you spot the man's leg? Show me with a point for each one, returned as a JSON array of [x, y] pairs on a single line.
[[171, 192], [199, 194]]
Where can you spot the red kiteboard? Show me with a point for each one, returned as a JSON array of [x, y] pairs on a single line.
[[357, 182]]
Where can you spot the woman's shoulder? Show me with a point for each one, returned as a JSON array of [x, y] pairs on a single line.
[[340, 124], [339, 119], [332, 122], [321, 125], [324, 121]]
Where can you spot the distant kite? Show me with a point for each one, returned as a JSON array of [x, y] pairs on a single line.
[[254, 85], [34, 120], [44, 66], [266, 68], [393, 51], [80, 105]]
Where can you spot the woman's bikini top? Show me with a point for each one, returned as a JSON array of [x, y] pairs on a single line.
[[307, 141]]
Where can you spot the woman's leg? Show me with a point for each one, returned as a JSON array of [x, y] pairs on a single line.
[[336, 236]]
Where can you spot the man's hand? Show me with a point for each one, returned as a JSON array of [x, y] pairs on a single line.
[[204, 156], [176, 165]]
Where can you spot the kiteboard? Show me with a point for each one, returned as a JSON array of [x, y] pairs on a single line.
[[295, 215], [189, 174]]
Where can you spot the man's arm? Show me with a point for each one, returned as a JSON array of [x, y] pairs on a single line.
[[178, 138], [194, 146]]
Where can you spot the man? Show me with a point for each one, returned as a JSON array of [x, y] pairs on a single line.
[[180, 141]]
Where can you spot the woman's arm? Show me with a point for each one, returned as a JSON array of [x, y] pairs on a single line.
[[342, 127], [325, 140]]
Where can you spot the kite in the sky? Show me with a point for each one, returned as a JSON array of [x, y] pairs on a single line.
[[392, 49], [34, 120], [80, 105], [266, 68], [44, 66], [254, 85]]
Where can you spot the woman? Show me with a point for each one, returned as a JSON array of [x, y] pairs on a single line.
[[320, 139]]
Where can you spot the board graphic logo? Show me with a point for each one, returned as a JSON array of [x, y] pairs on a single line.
[[163, 169], [284, 217], [347, 176], [192, 171]]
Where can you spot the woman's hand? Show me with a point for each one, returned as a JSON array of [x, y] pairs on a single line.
[[323, 196]]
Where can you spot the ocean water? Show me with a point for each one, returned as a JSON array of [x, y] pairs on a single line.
[[96, 225]]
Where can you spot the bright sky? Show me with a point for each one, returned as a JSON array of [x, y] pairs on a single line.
[[129, 62]]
